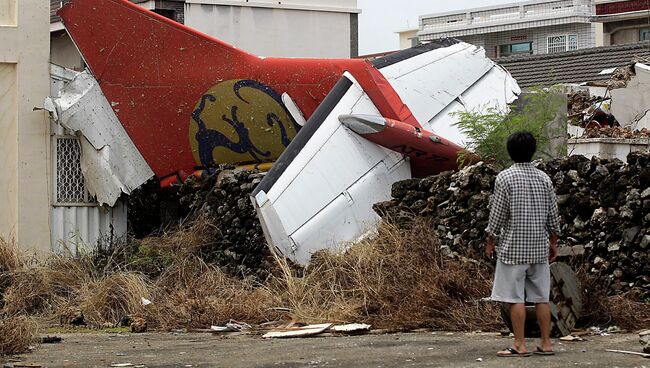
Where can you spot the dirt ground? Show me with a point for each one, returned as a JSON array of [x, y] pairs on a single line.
[[428, 349]]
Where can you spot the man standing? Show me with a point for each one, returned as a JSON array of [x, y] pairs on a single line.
[[524, 219]]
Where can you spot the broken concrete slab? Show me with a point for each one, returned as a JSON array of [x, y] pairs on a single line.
[[631, 103]]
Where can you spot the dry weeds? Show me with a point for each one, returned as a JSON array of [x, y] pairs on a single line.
[[397, 280], [193, 294], [112, 298], [624, 311], [17, 334]]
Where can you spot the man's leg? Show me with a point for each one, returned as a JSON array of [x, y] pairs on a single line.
[[543, 311], [518, 319], [538, 290], [509, 288]]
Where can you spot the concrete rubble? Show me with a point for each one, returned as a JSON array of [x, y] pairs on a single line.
[[604, 207], [644, 339], [224, 196]]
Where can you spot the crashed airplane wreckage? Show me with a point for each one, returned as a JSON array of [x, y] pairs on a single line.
[[338, 132]]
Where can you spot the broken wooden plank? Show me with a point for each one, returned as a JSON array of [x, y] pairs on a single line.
[[351, 328], [306, 331]]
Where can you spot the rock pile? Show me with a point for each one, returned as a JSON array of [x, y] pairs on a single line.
[[604, 208], [616, 132], [222, 197]]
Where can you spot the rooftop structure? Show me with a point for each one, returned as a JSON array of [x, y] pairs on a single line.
[[532, 27]]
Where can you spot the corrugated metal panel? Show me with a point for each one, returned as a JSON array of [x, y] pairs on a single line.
[[77, 229]]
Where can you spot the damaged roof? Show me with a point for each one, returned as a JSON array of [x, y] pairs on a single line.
[[573, 66]]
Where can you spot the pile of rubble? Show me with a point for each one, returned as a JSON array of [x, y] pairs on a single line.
[[604, 207], [222, 196], [616, 132]]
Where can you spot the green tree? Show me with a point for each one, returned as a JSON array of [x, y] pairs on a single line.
[[488, 130]]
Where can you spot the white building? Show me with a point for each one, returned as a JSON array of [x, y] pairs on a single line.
[[25, 159], [531, 27], [408, 38]]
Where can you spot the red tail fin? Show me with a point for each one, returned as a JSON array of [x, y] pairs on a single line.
[[123, 43]]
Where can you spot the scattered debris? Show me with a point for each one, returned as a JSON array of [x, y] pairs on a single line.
[[629, 352], [51, 339], [571, 338], [138, 325], [232, 326]]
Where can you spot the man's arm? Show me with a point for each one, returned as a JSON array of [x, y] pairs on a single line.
[[552, 224], [499, 214]]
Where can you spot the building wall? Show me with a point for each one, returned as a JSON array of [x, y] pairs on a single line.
[[24, 142], [624, 31], [538, 36], [406, 38], [63, 52], [268, 31]]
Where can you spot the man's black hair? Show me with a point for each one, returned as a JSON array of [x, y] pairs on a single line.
[[522, 147]]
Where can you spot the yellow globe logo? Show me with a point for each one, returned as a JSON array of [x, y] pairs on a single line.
[[240, 122]]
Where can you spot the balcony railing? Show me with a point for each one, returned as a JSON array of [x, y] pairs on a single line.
[[510, 13]]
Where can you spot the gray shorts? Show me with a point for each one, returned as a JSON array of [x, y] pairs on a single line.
[[519, 282]]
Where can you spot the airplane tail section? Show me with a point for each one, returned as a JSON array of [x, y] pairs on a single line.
[[155, 72], [133, 46]]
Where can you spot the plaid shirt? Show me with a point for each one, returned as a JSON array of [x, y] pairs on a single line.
[[523, 212]]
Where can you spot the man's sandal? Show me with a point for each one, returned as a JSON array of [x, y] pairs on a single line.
[[512, 352], [541, 351]]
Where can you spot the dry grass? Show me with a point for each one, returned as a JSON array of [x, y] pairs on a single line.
[[187, 238], [108, 300], [17, 334], [398, 280], [193, 294], [624, 311], [10, 257]]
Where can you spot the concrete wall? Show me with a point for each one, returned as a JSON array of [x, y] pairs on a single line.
[[24, 142], [267, 31]]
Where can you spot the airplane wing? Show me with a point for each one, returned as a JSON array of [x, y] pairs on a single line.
[[320, 192]]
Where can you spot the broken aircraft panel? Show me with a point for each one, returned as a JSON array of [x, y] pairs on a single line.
[[110, 163], [189, 101]]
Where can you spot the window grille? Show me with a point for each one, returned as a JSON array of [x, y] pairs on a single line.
[[573, 43], [70, 184], [561, 43], [644, 34]]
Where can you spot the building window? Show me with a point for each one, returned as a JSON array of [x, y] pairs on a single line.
[[644, 34], [561, 43], [516, 48], [414, 41], [70, 184]]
